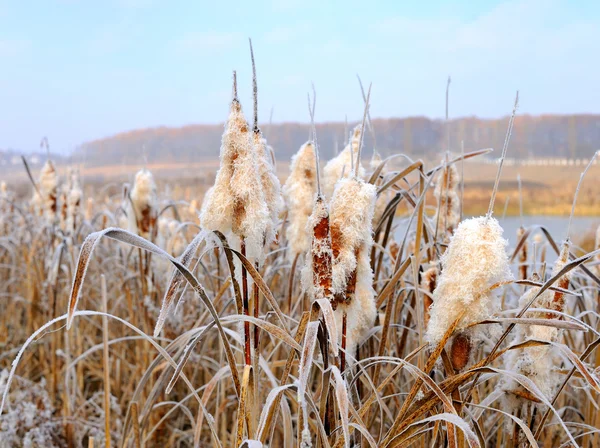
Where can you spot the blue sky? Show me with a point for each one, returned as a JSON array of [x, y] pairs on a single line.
[[80, 70]]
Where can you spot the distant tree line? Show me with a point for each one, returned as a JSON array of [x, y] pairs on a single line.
[[569, 136]]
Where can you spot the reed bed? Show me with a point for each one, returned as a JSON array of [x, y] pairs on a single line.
[[294, 316]]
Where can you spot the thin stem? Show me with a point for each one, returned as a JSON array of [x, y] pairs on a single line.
[[462, 176], [106, 364], [254, 87], [447, 121], [248, 358], [503, 156], [362, 133], [369, 122], [577, 192], [506, 201], [311, 111]]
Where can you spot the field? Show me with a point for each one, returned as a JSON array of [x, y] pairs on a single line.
[[283, 309]]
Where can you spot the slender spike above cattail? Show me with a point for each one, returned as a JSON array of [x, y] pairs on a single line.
[[234, 87], [503, 156], [369, 122], [362, 132], [311, 111], [447, 116], [254, 87]]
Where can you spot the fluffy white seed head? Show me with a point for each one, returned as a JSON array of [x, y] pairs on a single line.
[[351, 209], [475, 260], [316, 280], [537, 363], [89, 209], [48, 184], [73, 198], [270, 185], [142, 207], [299, 192], [342, 164], [236, 202]]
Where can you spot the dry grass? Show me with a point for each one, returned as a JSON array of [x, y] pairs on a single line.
[[80, 310]]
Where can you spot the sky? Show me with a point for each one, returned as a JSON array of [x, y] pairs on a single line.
[[76, 70]]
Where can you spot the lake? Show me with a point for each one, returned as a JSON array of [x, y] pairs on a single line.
[[556, 225]]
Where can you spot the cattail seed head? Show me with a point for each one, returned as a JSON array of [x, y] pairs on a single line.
[[536, 363], [428, 283], [522, 254], [89, 209], [351, 209], [236, 202], [317, 273], [142, 206], [475, 260], [73, 201], [446, 192], [270, 184], [299, 191], [460, 351], [49, 189]]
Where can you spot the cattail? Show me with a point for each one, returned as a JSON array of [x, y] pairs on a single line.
[[428, 283], [49, 190], [299, 191], [394, 249], [446, 192], [351, 210], [270, 184], [522, 253], [475, 260], [236, 201], [142, 204], [89, 209], [558, 299], [537, 363], [4, 197], [73, 200], [36, 204], [317, 273], [342, 164]]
